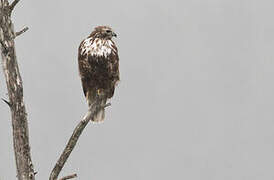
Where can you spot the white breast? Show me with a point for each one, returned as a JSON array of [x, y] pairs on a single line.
[[97, 47]]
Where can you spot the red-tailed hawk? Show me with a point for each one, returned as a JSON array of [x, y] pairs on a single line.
[[99, 66]]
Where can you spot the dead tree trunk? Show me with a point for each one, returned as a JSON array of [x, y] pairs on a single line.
[[15, 91]]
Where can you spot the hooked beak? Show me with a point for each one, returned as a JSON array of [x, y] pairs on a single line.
[[114, 34]]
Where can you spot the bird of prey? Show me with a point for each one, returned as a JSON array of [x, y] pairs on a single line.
[[99, 67]]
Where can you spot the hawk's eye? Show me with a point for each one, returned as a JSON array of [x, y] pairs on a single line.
[[108, 31]]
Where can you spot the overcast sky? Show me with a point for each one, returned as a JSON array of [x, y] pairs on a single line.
[[195, 100]]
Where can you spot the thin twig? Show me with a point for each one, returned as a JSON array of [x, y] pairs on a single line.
[[21, 32], [7, 102], [69, 177], [75, 136], [13, 4]]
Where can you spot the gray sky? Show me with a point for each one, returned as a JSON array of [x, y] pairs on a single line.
[[195, 99]]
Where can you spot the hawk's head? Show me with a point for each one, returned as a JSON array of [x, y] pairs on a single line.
[[103, 32]]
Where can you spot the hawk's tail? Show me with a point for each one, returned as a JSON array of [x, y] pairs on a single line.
[[100, 115]]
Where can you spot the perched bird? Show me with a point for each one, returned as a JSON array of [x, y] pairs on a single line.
[[99, 67]]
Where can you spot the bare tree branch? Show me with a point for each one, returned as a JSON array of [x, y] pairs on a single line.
[[13, 4], [69, 177], [74, 137], [21, 32], [15, 91]]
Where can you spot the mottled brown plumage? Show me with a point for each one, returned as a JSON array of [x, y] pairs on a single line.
[[99, 66]]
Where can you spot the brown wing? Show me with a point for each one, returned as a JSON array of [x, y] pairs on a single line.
[[114, 69], [84, 68]]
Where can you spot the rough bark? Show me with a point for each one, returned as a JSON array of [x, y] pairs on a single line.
[[15, 92]]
